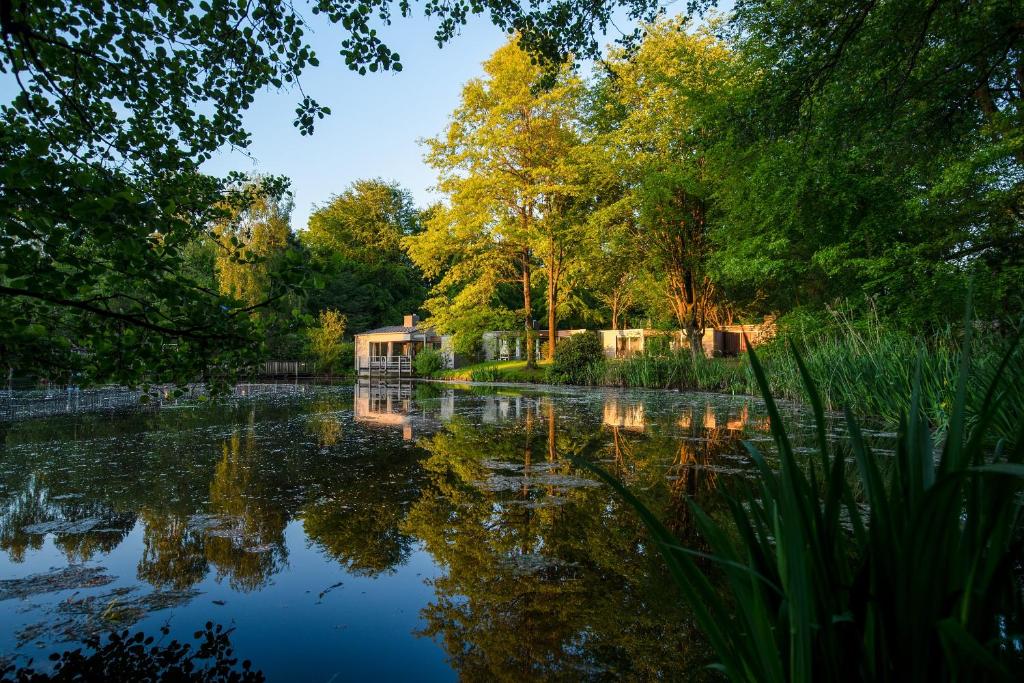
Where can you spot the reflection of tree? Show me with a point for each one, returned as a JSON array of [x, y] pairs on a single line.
[[173, 551], [356, 517], [110, 529], [26, 506], [81, 529], [324, 421], [250, 548], [543, 577]]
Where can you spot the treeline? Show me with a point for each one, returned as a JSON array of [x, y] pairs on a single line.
[[359, 276], [774, 161], [777, 161]]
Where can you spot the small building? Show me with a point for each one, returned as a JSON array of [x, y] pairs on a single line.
[[731, 340], [511, 344], [390, 350], [625, 343], [726, 340]]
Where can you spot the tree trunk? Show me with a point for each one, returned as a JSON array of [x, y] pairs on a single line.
[[531, 352], [552, 322], [554, 268]]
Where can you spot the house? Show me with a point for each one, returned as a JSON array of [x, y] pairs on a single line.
[[390, 350], [725, 340], [625, 343], [511, 345]]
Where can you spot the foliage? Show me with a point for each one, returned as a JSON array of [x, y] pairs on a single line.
[[918, 583], [427, 362], [113, 109], [502, 164], [653, 129], [575, 357], [260, 234], [325, 339], [865, 159], [135, 657], [355, 239]]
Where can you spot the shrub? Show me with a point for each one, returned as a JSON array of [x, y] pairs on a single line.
[[575, 359], [346, 359], [325, 339], [427, 362], [485, 374], [138, 657]]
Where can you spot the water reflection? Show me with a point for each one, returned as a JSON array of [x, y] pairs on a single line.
[[536, 570], [391, 404]]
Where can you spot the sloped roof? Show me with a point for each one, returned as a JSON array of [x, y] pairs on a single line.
[[400, 329], [391, 329]]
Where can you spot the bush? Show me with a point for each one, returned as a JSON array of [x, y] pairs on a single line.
[[325, 339], [575, 359], [427, 362], [345, 363]]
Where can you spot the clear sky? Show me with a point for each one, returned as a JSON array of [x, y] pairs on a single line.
[[376, 119]]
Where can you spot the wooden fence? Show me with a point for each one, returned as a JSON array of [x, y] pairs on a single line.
[[286, 368]]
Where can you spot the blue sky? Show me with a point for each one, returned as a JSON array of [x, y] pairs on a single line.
[[376, 119]]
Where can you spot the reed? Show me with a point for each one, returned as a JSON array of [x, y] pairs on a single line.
[[854, 566]]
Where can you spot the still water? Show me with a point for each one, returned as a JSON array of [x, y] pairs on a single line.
[[376, 532]]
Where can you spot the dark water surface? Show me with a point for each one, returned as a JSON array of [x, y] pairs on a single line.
[[414, 532]]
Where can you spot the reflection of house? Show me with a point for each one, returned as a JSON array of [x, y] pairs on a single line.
[[390, 350], [734, 422], [511, 345], [625, 415], [391, 405], [501, 408]]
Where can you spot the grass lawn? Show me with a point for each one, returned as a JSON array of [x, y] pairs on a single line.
[[498, 371]]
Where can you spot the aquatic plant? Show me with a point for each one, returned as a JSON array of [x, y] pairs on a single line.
[[908, 571]]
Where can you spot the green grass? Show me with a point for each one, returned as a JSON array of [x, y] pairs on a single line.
[[906, 568], [498, 371]]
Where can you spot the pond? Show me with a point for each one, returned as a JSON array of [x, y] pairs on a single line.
[[395, 532]]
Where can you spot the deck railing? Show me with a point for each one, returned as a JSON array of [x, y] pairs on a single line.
[[391, 365]]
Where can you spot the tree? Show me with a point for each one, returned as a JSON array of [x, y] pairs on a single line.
[[115, 107], [325, 338], [501, 164], [876, 152], [654, 139], [356, 240], [251, 244]]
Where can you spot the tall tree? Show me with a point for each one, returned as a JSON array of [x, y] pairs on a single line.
[[877, 150], [114, 107], [356, 238], [654, 142], [250, 245], [501, 164]]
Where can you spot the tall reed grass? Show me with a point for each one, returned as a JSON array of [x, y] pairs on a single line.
[[869, 371], [908, 570]]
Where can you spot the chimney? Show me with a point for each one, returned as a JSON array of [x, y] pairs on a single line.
[[410, 320]]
